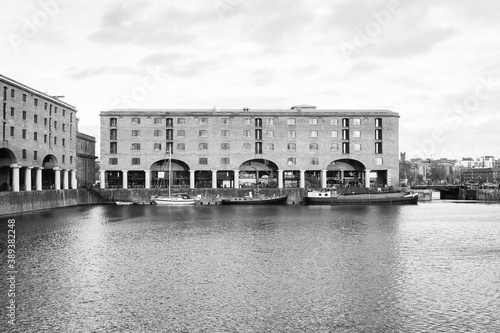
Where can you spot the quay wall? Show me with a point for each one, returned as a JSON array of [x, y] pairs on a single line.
[[208, 195], [25, 201]]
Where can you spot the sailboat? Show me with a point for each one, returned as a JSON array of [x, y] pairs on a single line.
[[171, 200]]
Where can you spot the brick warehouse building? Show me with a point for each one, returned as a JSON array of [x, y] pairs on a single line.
[[38, 144], [301, 147], [85, 160]]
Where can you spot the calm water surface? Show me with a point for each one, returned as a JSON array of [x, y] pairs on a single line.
[[434, 267]]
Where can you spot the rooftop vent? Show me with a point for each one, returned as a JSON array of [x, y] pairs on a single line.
[[303, 107]]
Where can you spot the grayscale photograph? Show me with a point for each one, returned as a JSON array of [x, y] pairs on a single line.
[[250, 166]]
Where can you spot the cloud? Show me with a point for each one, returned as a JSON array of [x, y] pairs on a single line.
[[90, 72]]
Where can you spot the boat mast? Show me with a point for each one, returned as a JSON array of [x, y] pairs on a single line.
[[169, 171]]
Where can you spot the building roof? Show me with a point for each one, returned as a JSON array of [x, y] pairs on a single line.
[[296, 110], [53, 99]]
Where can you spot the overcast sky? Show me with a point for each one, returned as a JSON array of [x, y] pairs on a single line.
[[436, 63]]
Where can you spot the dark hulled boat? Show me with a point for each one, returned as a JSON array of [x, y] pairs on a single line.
[[331, 197], [250, 200]]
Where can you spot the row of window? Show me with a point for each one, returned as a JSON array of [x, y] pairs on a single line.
[[35, 136], [346, 122], [247, 146], [35, 156], [45, 120], [248, 134], [226, 161], [47, 106]]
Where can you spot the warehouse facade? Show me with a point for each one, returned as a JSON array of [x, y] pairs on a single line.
[[302, 147]]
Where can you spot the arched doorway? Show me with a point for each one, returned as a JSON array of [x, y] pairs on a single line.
[[48, 173], [160, 173], [345, 172], [258, 173], [7, 158]]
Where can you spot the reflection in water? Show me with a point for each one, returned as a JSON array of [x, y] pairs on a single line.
[[431, 267]]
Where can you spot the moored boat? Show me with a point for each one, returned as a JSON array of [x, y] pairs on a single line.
[[173, 200], [331, 197], [261, 200]]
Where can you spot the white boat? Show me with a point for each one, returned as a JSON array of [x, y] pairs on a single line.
[[178, 199]]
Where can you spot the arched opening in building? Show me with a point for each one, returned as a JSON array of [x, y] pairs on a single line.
[[48, 173], [345, 172], [164, 173], [7, 158], [258, 173]]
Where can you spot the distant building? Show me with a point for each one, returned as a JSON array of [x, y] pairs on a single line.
[[468, 162], [481, 175], [38, 139], [297, 147], [85, 159], [487, 162]]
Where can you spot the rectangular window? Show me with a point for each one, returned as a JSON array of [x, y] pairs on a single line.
[[379, 161], [270, 121], [11, 131], [314, 134], [203, 161], [291, 161], [64, 158], [258, 122], [270, 146], [258, 147], [113, 134], [378, 147], [45, 106], [170, 134], [157, 133], [203, 121], [291, 146], [136, 146], [45, 138], [24, 134], [225, 161], [378, 134], [378, 122], [345, 122], [357, 146], [225, 121], [247, 146], [181, 133], [203, 146], [345, 147], [157, 120], [356, 122], [64, 127], [45, 121], [313, 146], [345, 134], [136, 133], [55, 140], [313, 121], [247, 121], [181, 146], [356, 134], [64, 142], [169, 122], [12, 112], [25, 154], [55, 124], [112, 122], [35, 155], [55, 109], [35, 101], [157, 146], [314, 161], [25, 98], [258, 134], [290, 121], [24, 115], [71, 118], [270, 134], [247, 133], [224, 133], [181, 121], [170, 147], [64, 113], [334, 121], [334, 147], [224, 146], [290, 134], [35, 136], [334, 134], [136, 121], [113, 161], [203, 133], [12, 93], [136, 161]]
